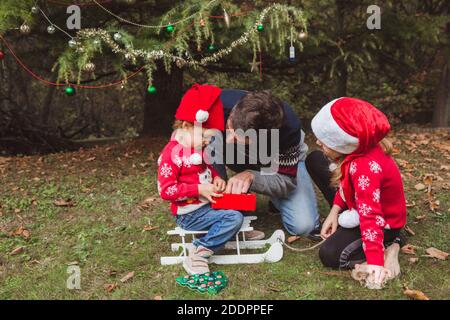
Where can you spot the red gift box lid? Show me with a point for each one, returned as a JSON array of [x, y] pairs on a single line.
[[240, 202]]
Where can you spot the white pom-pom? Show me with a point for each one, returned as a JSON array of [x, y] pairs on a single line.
[[349, 219], [201, 116], [195, 159]]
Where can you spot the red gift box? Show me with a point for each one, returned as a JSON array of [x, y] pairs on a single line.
[[240, 202]]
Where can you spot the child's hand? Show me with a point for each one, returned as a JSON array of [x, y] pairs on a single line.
[[330, 224], [376, 276], [208, 191], [219, 184]]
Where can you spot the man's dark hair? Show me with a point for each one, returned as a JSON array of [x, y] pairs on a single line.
[[257, 110]]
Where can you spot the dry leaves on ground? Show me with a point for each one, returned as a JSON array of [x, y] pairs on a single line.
[[111, 287], [409, 249], [149, 228], [436, 253], [64, 203], [292, 239], [127, 277], [415, 294], [21, 231], [17, 250]]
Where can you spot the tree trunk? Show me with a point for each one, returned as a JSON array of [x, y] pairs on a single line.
[[47, 104], [160, 106], [442, 106], [441, 109], [341, 66]]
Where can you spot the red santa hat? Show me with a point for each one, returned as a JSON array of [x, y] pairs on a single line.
[[202, 104], [350, 125]]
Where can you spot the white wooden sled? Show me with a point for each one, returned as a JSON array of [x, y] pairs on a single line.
[[273, 254]]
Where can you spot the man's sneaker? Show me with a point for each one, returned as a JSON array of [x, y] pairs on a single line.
[[254, 235], [315, 234], [197, 260]]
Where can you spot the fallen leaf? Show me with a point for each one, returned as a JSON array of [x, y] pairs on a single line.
[[73, 263], [149, 228], [436, 253], [409, 249], [112, 273], [63, 203], [413, 260], [17, 250], [292, 239], [419, 218], [410, 205], [127, 277], [157, 298], [410, 231], [420, 186], [26, 234], [110, 287], [415, 294], [428, 180], [90, 159]]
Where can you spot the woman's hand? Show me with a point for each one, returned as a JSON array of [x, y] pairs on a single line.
[[376, 275], [219, 184], [208, 191], [331, 222]]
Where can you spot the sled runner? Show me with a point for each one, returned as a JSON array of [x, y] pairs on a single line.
[[273, 254]]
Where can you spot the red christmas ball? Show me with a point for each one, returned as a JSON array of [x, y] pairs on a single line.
[[2, 55]]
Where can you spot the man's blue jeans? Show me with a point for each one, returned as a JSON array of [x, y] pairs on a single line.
[[299, 210], [222, 225]]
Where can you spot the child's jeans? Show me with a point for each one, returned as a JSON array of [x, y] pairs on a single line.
[[222, 225]]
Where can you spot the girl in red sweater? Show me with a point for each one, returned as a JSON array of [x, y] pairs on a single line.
[[187, 180], [351, 134]]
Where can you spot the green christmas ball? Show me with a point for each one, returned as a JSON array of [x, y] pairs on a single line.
[[151, 89], [170, 28], [70, 91], [211, 47], [260, 27]]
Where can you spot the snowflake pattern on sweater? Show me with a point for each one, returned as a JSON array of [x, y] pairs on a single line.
[[379, 200], [178, 178]]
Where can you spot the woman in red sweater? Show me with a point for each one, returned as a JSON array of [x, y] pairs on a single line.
[[351, 133]]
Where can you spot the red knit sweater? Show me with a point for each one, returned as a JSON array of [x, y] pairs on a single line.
[[179, 177], [379, 198]]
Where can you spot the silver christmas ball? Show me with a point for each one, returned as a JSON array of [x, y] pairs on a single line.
[[51, 29], [35, 9], [303, 35], [25, 28], [117, 36], [89, 67], [72, 43]]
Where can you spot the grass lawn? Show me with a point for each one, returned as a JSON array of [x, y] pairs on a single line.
[[107, 195]]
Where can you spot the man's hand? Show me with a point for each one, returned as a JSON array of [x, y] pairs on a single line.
[[208, 191], [330, 224], [219, 184], [240, 183]]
